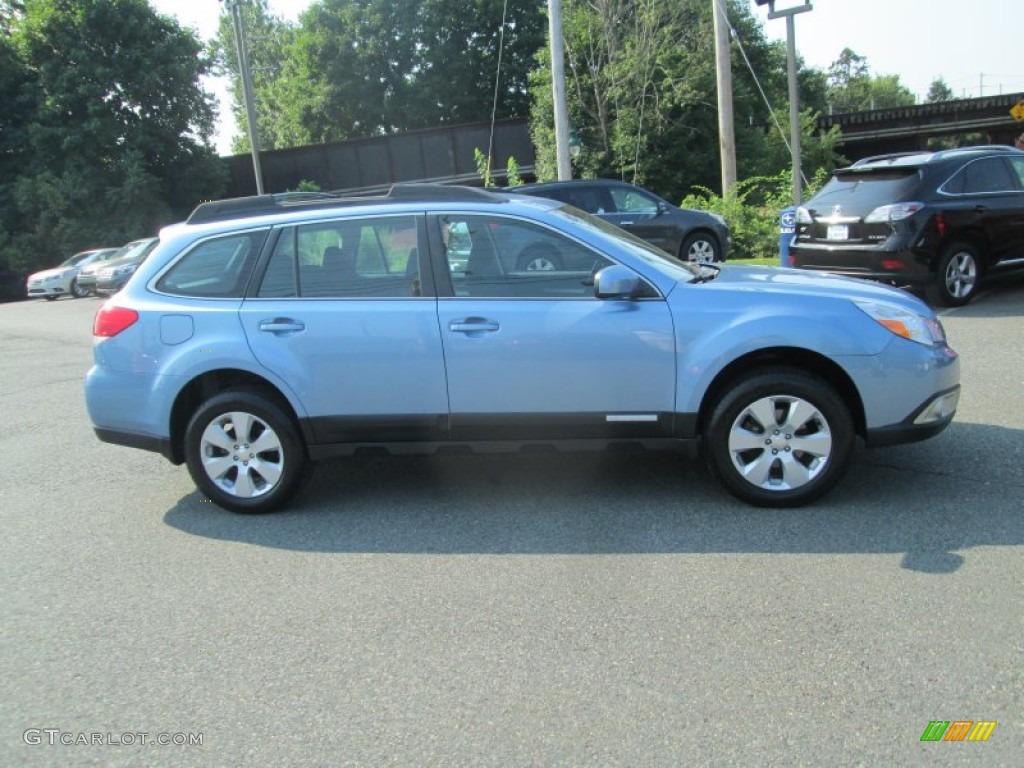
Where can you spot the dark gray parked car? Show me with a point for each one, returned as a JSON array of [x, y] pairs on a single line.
[[695, 236]]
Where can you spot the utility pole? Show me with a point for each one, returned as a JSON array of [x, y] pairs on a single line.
[[723, 71], [235, 7], [792, 7], [557, 46]]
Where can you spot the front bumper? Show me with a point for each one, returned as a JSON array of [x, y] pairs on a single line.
[[107, 287], [41, 290], [933, 416]]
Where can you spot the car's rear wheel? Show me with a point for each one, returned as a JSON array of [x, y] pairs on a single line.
[[244, 451], [780, 438], [700, 248], [77, 291], [957, 275], [50, 297]]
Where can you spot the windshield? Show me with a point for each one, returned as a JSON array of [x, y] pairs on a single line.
[[641, 249]]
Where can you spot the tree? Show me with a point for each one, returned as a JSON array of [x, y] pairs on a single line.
[[852, 88], [112, 125], [357, 68], [268, 38], [641, 85], [938, 91]]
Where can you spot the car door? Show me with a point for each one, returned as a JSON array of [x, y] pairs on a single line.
[[986, 195], [342, 316], [638, 212], [534, 355]]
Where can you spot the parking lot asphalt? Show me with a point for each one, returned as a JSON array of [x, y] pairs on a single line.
[[507, 610]]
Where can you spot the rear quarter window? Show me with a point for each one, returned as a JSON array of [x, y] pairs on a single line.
[[215, 268]]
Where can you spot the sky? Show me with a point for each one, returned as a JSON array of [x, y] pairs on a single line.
[[976, 46]]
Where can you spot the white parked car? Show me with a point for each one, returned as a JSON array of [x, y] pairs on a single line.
[[61, 280]]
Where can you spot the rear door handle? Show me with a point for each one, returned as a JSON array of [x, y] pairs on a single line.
[[280, 326], [474, 325]]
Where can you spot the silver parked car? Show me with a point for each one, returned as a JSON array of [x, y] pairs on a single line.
[[62, 280]]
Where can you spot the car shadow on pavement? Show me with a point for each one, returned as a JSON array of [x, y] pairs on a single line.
[[929, 502]]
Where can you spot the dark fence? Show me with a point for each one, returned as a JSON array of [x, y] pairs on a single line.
[[369, 165]]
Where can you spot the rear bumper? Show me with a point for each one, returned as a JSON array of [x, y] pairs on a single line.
[[895, 261], [161, 445]]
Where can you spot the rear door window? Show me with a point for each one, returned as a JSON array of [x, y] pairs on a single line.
[[347, 258]]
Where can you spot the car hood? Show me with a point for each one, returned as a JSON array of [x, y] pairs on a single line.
[[795, 282], [56, 271]]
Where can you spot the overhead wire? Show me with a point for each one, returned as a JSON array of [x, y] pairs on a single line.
[[771, 110], [497, 81]]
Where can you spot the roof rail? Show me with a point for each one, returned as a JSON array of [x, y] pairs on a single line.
[[242, 207]]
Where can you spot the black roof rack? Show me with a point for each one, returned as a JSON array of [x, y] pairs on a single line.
[[243, 207]]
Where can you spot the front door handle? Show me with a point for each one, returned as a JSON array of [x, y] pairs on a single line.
[[473, 325], [280, 326]]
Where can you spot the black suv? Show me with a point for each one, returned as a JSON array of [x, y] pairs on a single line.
[[940, 220], [694, 236]]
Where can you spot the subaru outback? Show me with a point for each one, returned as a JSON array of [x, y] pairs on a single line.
[[264, 333]]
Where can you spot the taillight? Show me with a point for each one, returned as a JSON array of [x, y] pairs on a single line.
[[940, 224], [111, 320]]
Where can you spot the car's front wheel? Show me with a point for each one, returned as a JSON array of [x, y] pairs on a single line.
[[78, 291], [244, 451], [700, 248], [957, 274], [780, 438]]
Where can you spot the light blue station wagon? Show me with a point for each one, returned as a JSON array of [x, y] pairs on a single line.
[[266, 332]]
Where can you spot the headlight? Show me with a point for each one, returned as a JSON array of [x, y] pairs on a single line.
[[902, 322], [53, 278], [125, 270]]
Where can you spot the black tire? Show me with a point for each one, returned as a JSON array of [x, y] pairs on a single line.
[[538, 259], [700, 248], [258, 482], [51, 298], [77, 291], [759, 460], [957, 275]]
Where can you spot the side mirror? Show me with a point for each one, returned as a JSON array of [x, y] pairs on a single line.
[[662, 208], [616, 282]]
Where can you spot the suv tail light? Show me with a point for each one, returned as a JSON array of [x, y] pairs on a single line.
[[895, 212], [111, 320]]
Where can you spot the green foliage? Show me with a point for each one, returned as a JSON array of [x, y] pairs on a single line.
[[939, 90], [357, 68], [753, 211], [512, 177], [641, 94], [305, 185], [852, 87], [105, 132], [483, 170], [483, 166]]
